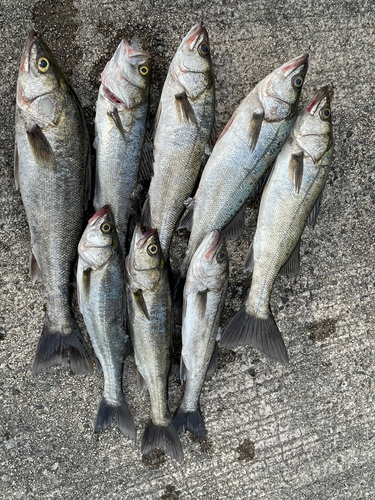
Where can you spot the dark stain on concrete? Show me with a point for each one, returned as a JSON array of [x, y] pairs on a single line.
[[154, 460], [225, 356], [170, 493], [321, 330], [205, 445], [58, 25], [246, 450]]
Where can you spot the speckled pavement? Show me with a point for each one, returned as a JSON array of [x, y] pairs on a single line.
[[305, 431]]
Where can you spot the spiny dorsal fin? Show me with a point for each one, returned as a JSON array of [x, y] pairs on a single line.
[[213, 362], [184, 108], [186, 221], [146, 214], [117, 120], [311, 221], [296, 170], [235, 227], [291, 266], [40, 146], [141, 304], [225, 129]]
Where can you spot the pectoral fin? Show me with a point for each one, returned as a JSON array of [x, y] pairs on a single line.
[[141, 304], [296, 170], [311, 221], [291, 266], [40, 146], [254, 128], [117, 120], [185, 110]]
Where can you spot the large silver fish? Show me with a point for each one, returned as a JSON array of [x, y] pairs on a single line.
[[149, 324], [184, 123], [290, 199], [120, 122], [245, 149], [101, 293], [51, 170], [204, 297]]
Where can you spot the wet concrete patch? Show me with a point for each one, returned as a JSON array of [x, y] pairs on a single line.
[[154, 460], [246, 450], [321, 330], [205, 445], [170, 493], [225, 356]]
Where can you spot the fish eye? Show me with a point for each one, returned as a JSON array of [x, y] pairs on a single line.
[[325, 113], [221, 256], [152, 249], [297, 81], [203, 49], [105, 227], [43, 64], [143, 70]]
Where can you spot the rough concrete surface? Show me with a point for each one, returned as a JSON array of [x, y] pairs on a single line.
[[305, 431]]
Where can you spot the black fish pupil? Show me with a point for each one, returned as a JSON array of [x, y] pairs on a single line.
[[326, 112], [204, 48], [43, 63]]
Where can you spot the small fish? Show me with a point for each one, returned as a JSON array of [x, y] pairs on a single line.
[[149, 324], [291, 199], [204, 298], [52, 170], [242, 154], [184, 123], [120, 124], [101, 294]]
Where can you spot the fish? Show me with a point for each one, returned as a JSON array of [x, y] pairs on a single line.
[[101, 297], [184, 124], [149, 325], [204, 298], [241, 156], [120, 124], [290, 201], [52, 171]]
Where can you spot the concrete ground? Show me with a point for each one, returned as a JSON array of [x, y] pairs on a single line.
[[305, 431]]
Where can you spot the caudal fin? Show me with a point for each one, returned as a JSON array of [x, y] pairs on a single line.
[[191, 421], [53, 348], [165, 438], [245, 329], [106, 415]]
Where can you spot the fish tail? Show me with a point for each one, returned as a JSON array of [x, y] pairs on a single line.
[[190, 421], [106, 414], [261, 333], [53, 348], [162, 437]]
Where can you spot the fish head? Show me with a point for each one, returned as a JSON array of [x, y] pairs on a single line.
[[191, 66], [210, 263], [145, 259], [40, 81], [126, 77], [99, 240], [281, 89], [313, 128]]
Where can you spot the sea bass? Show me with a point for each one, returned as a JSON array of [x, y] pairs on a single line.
[[291, 199], [242, 154], [51, 168], [204, 297], [149, 324], [101, 294], [120, 124], [184, 123]]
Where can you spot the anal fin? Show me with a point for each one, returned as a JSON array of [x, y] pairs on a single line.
[[235, 227], [35, 271], [186, 221], [213, 362], [311, 221], [291, 266]]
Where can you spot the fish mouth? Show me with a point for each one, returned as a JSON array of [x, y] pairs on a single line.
[[194, 34], [216, 238], [100, 213], [324, 92], [25, 59], [145, 235], [295, 63]]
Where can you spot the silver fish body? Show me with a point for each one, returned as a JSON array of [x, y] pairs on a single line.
[[149, 324], [204, 298], [51, 161], [101, 293], [290, 200], [242, 154], [183, 126], [120, 123]]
